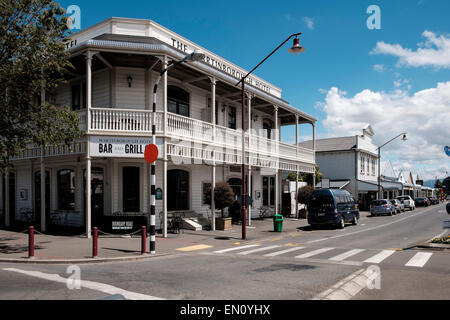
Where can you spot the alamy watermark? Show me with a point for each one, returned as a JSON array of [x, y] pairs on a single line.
[[74, 18], [374, 20], [373, 274], [73, 282]]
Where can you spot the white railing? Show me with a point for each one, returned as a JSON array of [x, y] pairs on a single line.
[[189, 128], [263, 151], [107, 119]]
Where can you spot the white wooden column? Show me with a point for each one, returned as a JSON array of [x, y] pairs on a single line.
[[88, 156], [296, 173], [249, 171], [213, 167], [277, 174], [165, 185], [166, 158]]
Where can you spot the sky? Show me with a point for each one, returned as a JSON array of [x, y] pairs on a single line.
[[395, 77]]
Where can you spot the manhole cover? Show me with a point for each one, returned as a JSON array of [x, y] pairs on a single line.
[[222, 238]]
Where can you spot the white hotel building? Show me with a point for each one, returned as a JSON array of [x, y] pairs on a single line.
[[198, 121]]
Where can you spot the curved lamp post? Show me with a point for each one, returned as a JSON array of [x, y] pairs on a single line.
[[295, 49], [196, 55], [379, 160]]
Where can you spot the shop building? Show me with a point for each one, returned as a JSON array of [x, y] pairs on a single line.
[[198, 128], [349, 163]]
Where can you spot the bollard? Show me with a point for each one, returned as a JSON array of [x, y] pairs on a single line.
[[31, 242], [95, 242], [143, 240]]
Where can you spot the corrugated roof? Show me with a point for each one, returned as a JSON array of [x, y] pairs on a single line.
[[331, 144]]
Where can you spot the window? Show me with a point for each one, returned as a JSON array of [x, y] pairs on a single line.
[[362, 164], [205, 187], [177, 190], [231, 117], [131, 189], [66, 189], [267, 128], [77, 104], [177, 101]]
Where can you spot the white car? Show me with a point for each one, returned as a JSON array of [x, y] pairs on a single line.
[[408, 202]]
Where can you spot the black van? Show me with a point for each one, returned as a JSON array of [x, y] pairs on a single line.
[[332, 206]]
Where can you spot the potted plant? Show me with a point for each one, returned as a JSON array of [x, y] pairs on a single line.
[[303, 196], [223, 198]]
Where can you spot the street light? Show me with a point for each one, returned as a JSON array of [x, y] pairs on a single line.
[[196, 55], [295, 49], [379, 160]]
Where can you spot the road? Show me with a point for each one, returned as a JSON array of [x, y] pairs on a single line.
[[301, 265]]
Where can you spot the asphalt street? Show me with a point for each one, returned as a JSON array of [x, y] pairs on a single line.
[[298, 265]]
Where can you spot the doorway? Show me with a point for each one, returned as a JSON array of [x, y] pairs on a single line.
[[178, 190], [97, 195]]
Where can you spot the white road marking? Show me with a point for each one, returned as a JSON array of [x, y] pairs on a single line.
[[368, 229], [380, 256], [440, 235], [236, 248], [106, 288], [257, 250], [313, 253], [346, 255], [277, 253], [346, 288], [419, 259]]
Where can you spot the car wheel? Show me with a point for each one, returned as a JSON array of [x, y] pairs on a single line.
[[355, 220], [390, 213], [341, 224]]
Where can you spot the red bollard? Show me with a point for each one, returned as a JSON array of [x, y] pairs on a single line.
[[95, 242], [30, 242], [143, 240]]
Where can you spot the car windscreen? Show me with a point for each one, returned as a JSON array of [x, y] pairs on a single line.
[[321, 200], [379, 202]]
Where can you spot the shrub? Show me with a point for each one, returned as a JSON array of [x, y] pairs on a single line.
[[304, 193], [223, 196]]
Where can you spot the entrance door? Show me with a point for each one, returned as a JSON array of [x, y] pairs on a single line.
[[268, 191], [12, 198], [97, 195], [131, 189], [178, 190], [37, 198]]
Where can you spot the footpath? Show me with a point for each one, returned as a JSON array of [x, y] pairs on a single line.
[[113, 248]]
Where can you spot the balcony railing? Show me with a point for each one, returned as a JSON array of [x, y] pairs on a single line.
[[107, 120]]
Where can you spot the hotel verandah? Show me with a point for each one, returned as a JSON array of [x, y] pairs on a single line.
[[116, 63]]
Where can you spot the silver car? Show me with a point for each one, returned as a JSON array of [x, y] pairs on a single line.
[[399, 207]]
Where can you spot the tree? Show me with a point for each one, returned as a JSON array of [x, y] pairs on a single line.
[[308, 177], [304, 193], [291, 177], [32, 58], [438, 184], [223, 196]]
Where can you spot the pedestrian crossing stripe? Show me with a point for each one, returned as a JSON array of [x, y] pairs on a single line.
[[418, 260]]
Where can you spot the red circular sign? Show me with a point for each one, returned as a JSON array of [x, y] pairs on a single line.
[[151, 153]]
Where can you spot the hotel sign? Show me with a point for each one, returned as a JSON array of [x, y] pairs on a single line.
[[121, 147]]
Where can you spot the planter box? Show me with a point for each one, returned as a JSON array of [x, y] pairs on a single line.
[[223, 223]]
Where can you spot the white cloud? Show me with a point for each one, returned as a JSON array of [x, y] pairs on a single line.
[[309, 22], [379, 67], [435, 51], [424, 115]]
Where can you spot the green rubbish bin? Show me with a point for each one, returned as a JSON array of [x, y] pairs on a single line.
[[278, 223]]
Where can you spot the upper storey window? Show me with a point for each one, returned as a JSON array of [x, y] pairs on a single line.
[[177, 101]]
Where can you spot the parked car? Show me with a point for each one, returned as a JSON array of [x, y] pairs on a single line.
[[332, 207], [382, 207], [408, 202], [422, 202], [434, 200], [399, 207]]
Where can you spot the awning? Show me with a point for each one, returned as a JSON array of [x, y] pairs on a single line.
[[390, 186], [367, 186], [338, 184]]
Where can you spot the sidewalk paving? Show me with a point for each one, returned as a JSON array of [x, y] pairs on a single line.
[[68, 249]]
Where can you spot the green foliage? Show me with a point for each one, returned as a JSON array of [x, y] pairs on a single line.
[[307, 177], [223, 196], [291, 177], [438, 184], [32, 58], [304, 194]]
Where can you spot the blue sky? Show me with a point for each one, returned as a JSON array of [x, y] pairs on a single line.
[[338, 45]]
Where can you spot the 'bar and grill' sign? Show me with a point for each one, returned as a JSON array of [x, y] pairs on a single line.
[[118, 147]]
